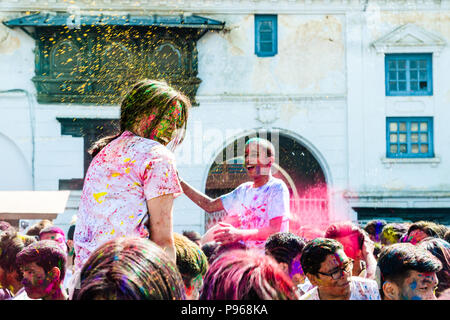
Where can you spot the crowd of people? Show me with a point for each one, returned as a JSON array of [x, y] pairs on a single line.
[[122, 245], [349, 262]]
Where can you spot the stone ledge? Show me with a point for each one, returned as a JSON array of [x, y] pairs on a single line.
[[266, 98], [388, 162], [225, 6], [402, 195]]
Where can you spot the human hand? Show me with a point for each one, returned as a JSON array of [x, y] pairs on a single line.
[[368, 248], [369, 257], [226, 233]]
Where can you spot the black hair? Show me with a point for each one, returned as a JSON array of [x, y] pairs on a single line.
[[396, 260], [284, 247], [11, 243], [71, 232], [441, 250], [316, 251], [224, 248], [130, 269], [46, 254], [374, 227], [209, 248], [192, 235]]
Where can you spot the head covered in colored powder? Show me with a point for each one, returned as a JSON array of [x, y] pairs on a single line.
[[246, 275], [154, 110], [407, 272], [441, 250], [286, 248], [43, 265], [393, 233], [11, 243], [423, 229], [130, 269], [350, 235], [54, 233], [374, 228], [191, 262]]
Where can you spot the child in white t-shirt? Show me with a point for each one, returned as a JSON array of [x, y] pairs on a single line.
[[255, 209]]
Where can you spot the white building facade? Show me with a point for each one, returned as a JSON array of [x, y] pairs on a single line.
[[338, 83]]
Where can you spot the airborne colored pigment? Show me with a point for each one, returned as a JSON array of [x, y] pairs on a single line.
[[312, 213]]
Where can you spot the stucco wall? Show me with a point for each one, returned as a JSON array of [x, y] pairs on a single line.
[[414, 175], [228, 65], [325, 85]]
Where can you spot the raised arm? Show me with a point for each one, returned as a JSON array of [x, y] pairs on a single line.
[[369, 258], [201, 199]]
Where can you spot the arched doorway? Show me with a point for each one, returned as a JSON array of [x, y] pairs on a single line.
[[295, 164], [18, 175]]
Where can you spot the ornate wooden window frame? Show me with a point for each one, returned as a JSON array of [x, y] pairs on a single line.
[[83, 76]]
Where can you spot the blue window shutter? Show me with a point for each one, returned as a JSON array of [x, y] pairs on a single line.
[[409, 137], [409, 74], [266, 35]]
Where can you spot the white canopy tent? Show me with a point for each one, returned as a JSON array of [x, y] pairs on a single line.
[[33, 205]]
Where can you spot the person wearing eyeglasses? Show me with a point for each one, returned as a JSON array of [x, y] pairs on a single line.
[[329, 269]]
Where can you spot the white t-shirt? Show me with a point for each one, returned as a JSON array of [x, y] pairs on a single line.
[[120, 178], [22, 295], [304, 287], [360, 289], [255, 207], [67, 278]]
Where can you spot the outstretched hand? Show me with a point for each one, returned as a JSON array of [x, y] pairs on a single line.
[[368, 256], [226, 233], [368, 247]]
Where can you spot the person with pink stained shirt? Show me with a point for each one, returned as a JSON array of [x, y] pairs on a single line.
[[132, 180], [255, 209]]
